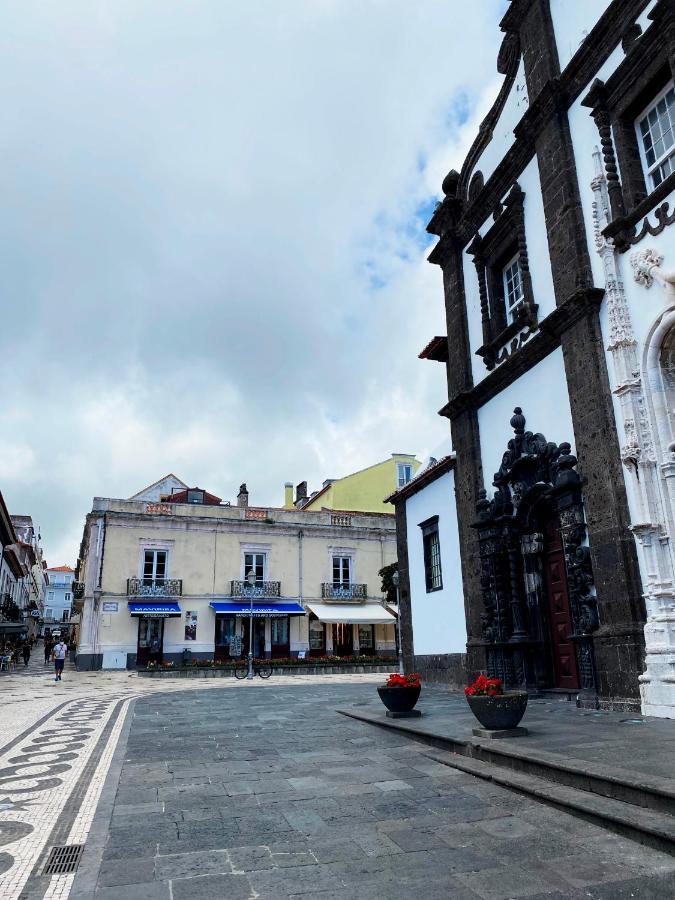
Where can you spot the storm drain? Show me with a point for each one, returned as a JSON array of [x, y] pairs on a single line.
[[64, 860]]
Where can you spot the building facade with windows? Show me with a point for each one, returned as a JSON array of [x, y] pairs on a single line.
[[58, 604], [362, 491], [433, 625], [22, 576], [161, 576], [554, 242]]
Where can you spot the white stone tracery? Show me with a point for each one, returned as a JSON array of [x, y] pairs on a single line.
[[648, 450]]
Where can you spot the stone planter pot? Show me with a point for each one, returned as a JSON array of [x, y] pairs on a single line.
[[399, 699], [503, 711]]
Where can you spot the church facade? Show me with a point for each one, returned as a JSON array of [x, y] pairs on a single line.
[[554, 243]]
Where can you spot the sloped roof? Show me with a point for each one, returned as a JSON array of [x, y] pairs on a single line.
[[182, 497], [155, 483], [424, 477], [60, 569]]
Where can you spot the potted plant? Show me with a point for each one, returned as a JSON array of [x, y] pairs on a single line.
[[400, 693], [494, 708]]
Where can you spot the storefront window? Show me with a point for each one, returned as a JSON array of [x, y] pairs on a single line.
[[224, 630], [317, 638], [280, 630], [366, 641]]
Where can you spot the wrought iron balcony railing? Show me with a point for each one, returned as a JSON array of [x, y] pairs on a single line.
[[260, 589], [9, 610], [358, 592], [78, 590], [154, 587]]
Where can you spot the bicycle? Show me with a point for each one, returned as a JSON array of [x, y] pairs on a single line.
[[263, 670]]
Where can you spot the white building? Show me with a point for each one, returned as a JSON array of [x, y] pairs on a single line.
[[431, 596]]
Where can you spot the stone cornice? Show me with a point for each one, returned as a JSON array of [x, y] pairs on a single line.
[[580, 304]]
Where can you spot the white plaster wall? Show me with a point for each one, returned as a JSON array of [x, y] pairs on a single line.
[[438, 621], [515, 107], [542, 394], [572, 22]]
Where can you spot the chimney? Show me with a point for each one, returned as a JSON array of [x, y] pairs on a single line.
[[242, 496], [301, 494], [288, 495]]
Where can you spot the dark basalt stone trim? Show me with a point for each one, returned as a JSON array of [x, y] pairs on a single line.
[[404, 608], [539, 346], [558, 93], [624, 229]]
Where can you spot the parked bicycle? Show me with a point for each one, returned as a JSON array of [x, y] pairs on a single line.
[[263, 670]]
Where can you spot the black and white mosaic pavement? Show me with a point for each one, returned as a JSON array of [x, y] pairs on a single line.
[[268, 793]]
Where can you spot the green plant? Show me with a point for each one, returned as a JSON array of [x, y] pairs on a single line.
[[388, 586]]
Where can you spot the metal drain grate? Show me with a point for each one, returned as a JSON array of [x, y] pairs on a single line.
[[64, 860]]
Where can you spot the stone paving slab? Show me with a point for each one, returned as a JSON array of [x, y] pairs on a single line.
[[348, 811]]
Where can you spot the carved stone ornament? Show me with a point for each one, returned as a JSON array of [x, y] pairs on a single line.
[[643, 261], [535, 485]]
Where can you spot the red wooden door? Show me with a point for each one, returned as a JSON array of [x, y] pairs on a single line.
[[560, 618]]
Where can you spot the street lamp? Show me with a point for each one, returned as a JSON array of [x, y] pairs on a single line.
[[399, 648], [251, 586]]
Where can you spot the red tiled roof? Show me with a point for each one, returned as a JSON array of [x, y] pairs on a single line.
[[436, 349], [60, 569], [422, 478]]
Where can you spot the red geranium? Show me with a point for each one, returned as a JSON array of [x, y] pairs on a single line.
[[404, 681], [484, 687]]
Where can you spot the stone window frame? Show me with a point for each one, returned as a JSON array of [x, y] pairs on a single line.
[[429, 528], [616, 105], [491, 252]]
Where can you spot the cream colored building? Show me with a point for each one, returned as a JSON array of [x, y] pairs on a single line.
[[165, 572]]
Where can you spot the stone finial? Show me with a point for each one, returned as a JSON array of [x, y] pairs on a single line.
[[518, 421], [643, 261]]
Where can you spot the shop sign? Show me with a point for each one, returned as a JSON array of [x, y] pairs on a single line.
[[110, 606], [235, 645], [190, 625]]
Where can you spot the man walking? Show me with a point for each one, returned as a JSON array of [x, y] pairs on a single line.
[[48, 649], [59, 653], [25, 650]]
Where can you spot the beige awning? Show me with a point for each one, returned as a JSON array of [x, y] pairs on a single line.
[[352, 613]]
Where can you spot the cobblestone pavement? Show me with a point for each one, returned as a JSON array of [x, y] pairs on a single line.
[[265, 792], [57, 741]]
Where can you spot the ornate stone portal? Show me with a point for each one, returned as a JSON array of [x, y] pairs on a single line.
[[537, 634]]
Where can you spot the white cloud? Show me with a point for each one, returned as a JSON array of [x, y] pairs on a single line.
[[212, 247]]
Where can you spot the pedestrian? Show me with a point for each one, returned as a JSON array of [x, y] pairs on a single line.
[[59, 653], [25, 650], [48, 650]]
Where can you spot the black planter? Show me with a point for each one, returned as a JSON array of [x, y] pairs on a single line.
[[503, 711], [399, 699]]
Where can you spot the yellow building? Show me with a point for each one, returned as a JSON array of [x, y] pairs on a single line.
[[167, 571], [362, 491]]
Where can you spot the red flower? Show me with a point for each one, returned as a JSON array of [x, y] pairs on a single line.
[[412, 680], [484, 687]]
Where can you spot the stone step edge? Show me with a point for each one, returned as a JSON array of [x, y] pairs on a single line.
[[647, 826], [599, 779], [207, 672]]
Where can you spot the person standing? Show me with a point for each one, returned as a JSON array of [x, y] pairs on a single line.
[[25, 650], [59, 653], [48, 650]]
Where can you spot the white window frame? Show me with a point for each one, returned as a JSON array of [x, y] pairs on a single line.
[[143, 545], [647, 169], [350, 567], [260, 549], [509, 306], [401, 468]]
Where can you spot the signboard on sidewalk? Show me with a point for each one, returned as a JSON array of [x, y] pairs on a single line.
[[235, 645]]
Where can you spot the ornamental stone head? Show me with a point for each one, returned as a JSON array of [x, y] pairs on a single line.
[[643, 261]]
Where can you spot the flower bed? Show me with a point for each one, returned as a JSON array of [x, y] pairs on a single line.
[[209, 668]]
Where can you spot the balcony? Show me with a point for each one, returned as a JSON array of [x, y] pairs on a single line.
[[154, 587], [9, 611], [78, 590], [356, 592], [260, 589]]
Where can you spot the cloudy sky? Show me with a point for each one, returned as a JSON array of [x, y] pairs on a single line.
[[212, 244]]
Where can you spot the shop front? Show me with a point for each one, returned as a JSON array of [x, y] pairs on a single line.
[[271, 629], [350, 629], [150, 640]]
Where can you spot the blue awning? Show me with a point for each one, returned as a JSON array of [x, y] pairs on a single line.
[[234, 608], [155, 610]]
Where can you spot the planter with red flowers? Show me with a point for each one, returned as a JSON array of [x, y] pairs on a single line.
[[400, 693], [495, 709]]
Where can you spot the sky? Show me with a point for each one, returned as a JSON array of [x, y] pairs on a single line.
[[212, 240]]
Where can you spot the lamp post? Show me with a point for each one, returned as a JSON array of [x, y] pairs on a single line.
[[399, 647], [251, 585]]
